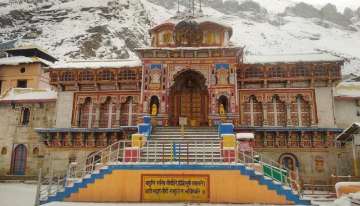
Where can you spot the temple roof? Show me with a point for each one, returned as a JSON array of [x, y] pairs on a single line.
[[97, 64], [31, 51], [28, 95], [16, 60], [202, 19], [291, 58]]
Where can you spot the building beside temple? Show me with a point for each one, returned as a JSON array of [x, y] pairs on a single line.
[[26, 102], [192, 70]]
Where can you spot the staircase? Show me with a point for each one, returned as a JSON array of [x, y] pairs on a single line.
[[201, 144], [167, 149]]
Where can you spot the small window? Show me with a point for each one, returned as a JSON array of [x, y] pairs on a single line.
[[36, 151], [3, 151], [25, 116], [0, 86], [22, 84], [72, 159], [22, 70]]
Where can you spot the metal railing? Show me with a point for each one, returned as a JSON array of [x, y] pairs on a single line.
[[168, 152]]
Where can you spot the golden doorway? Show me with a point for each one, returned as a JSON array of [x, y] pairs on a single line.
[[189, 99]]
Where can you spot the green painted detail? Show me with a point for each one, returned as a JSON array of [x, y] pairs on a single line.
[[274, 173]]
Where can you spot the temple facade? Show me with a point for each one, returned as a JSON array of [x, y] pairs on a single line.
[[192, 71]]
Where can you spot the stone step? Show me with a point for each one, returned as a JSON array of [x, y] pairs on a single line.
[[186, 132], [184, 136]]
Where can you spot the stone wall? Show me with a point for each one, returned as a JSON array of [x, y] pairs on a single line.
[[14, 133], [316, 167], [347, 112], [64, 108], [325, 107]]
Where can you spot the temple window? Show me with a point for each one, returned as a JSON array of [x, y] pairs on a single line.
[[21, 84], [154, 105], [36, 151], [87, 114], [53, 77], [300, 71], [107, 114], [3, 151], [67, 76], [276, 72], [127, 110], [211, 38], [127, 75], [25, 116], [300, 112], [86, 76], [254, 72], [320, 71], [166, 37], [276, 112], [105, 75], [253, 115], [334, 71]]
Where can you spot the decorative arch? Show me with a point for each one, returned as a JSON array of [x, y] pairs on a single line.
[[87, 113], [189, 98], [19, 158], [289, 161], [301, 111], [253, 112], [107, 113], [127, 111], [154, 100], [276, 112], [225, 101]]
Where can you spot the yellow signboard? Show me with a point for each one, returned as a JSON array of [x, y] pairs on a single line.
[[175, 188]]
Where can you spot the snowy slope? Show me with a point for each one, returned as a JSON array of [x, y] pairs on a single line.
[[108, 29]]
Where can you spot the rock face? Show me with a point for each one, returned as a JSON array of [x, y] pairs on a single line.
[[107, 29]]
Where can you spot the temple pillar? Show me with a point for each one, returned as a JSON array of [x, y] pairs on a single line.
[[288, 114], [78, 116], [117, 115], [265, 117], [312, 115], [97, 115]]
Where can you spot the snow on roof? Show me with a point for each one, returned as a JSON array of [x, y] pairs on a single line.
[[232, 46], [23, 94], [198, 19], [290, 58], [97, 64], [245, 136], [16, 60], [348, 89]]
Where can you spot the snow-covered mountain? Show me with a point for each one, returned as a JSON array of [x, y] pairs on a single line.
[[104, 29]]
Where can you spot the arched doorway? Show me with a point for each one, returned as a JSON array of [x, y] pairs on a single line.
[[189, 98], [18, 165]]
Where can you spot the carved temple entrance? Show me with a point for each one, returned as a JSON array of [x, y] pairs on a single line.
[[189, 99]]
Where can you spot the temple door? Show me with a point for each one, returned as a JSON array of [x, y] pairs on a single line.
[[18, 165]]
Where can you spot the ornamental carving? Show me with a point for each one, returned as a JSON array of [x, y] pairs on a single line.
[[188, 33]]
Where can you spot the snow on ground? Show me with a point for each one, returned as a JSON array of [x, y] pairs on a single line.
[[17, 194]]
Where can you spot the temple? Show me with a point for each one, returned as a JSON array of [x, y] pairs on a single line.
[[193, 76]]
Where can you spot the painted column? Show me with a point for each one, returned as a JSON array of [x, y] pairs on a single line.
[[78, 115], [90, 119], [312, 117], [97, 115], [265, 117], [117, 114], [288, 113], [130, 112]]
